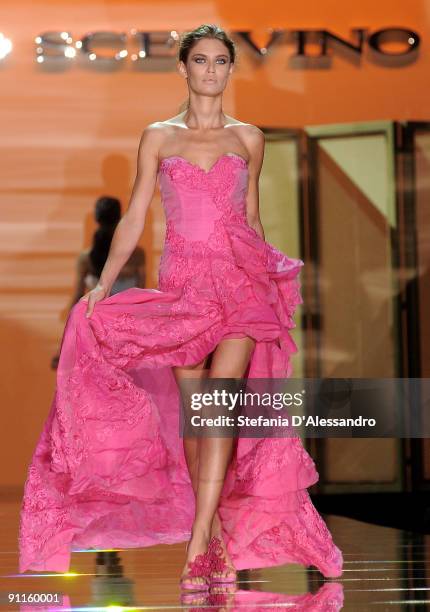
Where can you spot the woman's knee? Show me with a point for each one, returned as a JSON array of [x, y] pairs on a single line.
[[231, 357]]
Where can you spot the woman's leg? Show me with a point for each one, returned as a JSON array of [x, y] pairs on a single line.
[[191, 445], [230, 360], [191, 452]]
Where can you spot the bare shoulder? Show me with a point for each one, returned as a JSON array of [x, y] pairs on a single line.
[[154, 134], [252, 136], [242, 127], [253, 140]]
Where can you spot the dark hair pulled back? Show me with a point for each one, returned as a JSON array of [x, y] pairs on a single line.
[[189, 39], [107, 213]]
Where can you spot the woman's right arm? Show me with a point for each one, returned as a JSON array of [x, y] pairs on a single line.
[[130, 227]]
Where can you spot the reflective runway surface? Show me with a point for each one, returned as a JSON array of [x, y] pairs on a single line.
[[385, 569]]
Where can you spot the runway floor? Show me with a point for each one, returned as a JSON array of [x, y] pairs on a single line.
[[385, 569]]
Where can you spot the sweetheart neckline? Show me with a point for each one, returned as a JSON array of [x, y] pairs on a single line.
[[187, 161]]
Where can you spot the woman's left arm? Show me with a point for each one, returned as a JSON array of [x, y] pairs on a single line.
[[255, 144]]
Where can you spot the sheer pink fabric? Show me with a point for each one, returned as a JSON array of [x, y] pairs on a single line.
[[109, 470]]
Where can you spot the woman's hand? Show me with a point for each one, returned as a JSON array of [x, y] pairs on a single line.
[[95, 295]]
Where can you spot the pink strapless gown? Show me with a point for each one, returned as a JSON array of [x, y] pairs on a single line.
[[109, 470]]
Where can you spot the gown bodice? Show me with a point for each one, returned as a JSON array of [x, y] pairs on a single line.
[[195, 199]]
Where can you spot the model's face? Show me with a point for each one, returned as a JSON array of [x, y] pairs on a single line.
[[208, 67]]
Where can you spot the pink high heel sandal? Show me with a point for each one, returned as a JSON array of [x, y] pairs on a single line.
[[199, 568], [218, 563]]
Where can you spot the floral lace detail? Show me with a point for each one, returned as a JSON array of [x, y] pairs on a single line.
[[218, 561], [218, 242], [42, 514], [182, 258], [200, 566], [125, 322], [220, 176], [218, 183], [128, 405], [305, 535], [271, 453]]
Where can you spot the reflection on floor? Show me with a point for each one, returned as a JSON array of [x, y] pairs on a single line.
[[385, 569]]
